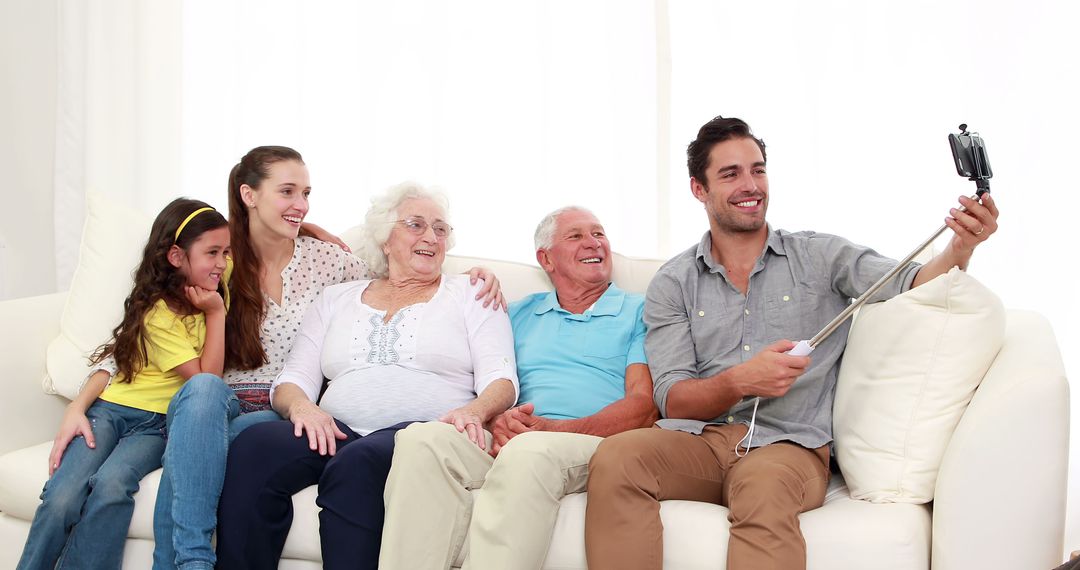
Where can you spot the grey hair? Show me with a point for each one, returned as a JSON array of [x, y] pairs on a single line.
[[380, 218], [545, 230]]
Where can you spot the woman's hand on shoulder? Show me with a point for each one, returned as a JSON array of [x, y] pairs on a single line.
[[322, 431], [491, 292], [73, 424], [205, 300], [469, 422]]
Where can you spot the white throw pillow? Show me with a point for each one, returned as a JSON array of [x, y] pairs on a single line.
[[911, 366], [112, 242]]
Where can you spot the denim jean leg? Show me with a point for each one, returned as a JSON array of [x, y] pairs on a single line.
[[97, 541], [185, 513], [244, 421], [65, 493]]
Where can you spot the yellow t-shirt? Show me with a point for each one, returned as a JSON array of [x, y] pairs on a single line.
[[170, 341]]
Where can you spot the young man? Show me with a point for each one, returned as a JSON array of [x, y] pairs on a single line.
[[721, 317]]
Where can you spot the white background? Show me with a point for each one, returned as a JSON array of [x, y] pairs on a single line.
[[518, 108]]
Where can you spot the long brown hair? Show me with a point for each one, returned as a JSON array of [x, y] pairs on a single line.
[[156, 278], [243, 345]]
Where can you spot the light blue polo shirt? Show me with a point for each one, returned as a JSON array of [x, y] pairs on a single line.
[[571, 366]]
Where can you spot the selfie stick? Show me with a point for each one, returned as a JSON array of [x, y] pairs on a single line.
[[971, 162], [975, 167], [805, 347]]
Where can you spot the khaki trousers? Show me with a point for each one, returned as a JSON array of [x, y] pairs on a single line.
[[765, 490], [430, 511]]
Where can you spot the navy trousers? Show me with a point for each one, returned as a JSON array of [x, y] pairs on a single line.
[[268, 464]]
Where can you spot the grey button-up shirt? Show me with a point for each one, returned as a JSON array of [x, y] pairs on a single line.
[[700, 324]]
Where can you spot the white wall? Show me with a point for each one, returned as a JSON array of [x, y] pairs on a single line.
[[1024, 89], [27, 137]]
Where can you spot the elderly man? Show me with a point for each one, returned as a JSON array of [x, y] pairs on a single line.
[[583, 376], [721, 317]]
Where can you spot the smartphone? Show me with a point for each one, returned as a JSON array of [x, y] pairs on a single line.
[[969, 154]]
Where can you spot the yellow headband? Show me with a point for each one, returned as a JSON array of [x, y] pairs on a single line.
[[188, 219]]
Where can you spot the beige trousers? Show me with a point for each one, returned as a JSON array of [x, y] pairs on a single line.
[[430, 511], [764, 490]]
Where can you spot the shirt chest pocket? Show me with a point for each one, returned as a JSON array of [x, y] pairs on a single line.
[[605, 341], [795, 315]]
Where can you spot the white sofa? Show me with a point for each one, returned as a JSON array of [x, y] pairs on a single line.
[[999, 495]]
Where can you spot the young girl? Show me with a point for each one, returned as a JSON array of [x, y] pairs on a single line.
[[173, 328]]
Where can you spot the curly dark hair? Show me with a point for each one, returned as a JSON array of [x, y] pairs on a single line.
[[243, 324], [711, 134], [156, 278]]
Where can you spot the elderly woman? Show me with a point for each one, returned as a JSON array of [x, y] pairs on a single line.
[[411, 345]]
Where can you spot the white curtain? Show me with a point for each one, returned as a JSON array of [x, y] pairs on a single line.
[[513, 108], [118, 111]]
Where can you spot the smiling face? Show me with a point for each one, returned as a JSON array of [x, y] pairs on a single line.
[[203, 264], [579, 254], [416, 255], [736, 190], [280, 202]]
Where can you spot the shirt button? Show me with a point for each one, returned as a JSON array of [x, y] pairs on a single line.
[[786, 298], [746, 311], [730, 419], [746, 347], [701, 313]]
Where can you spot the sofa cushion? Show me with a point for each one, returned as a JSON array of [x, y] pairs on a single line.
[[631, 274], [886, 536], [112, 241], [24, 472], [911, 366]]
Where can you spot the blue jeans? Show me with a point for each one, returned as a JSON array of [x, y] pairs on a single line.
[[86, 505], [204, 417]]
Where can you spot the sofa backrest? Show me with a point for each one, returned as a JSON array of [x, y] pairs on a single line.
[[520, 279]]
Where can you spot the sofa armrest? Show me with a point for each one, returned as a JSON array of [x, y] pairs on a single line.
[[27, 414], [1000, 496]]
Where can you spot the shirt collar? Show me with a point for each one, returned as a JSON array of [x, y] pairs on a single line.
[[610, 303], [704, 248], [775, 243]]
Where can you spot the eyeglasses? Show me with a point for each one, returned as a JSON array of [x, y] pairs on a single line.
[[419, 226]]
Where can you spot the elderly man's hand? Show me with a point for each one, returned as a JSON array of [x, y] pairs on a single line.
[[491, 292], [514, 422]]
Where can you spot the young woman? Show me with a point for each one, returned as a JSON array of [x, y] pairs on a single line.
[[173, 329]]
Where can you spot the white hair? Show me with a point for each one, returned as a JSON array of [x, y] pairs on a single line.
[[544, 237], [380, 219]]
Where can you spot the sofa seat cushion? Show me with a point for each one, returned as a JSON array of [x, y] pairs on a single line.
[[843, 534], [24, 473]]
